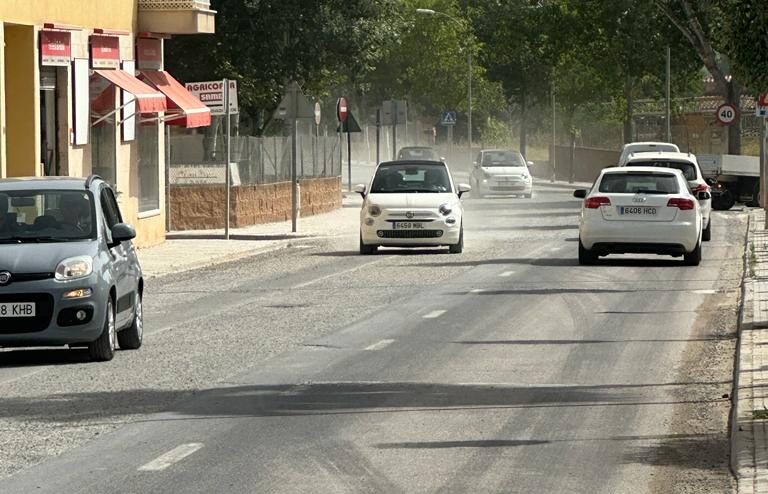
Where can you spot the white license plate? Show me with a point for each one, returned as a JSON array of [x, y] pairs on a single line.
[[637, 211], [407, 225], [17, 309]]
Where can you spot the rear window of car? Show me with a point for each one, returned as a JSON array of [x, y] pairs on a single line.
[[688, 169], [633, 183], [416, 154]]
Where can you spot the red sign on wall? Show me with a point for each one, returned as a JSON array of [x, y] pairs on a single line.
[[55, 48], [149, 53], [105, 52]]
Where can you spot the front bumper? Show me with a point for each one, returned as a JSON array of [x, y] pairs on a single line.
[[436, 232], [54, 322], [495, 186]]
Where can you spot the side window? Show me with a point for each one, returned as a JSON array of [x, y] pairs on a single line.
[[109, 206]]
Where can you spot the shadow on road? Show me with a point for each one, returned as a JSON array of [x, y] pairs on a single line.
[[320, 399], [39, 357], [562, 261], [490, 443], [215, 236]]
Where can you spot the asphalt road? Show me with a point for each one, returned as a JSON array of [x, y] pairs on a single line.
[[508, 368]]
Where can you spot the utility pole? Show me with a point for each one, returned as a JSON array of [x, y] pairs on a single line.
[[669, 95], [227, 156], [553, 157]]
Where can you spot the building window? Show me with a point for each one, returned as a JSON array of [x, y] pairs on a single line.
[[103, 130], [149, 166]]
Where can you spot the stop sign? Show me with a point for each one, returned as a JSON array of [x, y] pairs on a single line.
[[342, 110]]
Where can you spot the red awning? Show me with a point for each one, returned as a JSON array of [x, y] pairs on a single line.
[[147, 99], [190, 111]]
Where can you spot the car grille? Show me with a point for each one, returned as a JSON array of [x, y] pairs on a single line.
[[410, 233], [43, 313], [502, 188]]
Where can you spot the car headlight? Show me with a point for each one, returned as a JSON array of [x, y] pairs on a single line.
[[445, 209], [374, 210], [74, 268]]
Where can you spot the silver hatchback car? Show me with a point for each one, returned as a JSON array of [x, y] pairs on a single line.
[[69, 274]]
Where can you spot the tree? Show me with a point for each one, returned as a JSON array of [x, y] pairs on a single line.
[[743, 33], [696, 21]]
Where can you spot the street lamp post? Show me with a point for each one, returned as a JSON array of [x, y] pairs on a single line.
[[469, 81]]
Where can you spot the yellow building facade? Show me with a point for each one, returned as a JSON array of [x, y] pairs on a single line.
[[73, 99]]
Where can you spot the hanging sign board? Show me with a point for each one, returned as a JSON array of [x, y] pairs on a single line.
[[55, 48], [211, 93], [149, 54], [105, 52]]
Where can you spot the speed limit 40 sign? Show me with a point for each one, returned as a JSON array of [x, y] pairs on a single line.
[[726, 114]]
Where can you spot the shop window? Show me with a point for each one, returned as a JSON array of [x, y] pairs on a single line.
[[103, 129], [149, 166], [49, 121]]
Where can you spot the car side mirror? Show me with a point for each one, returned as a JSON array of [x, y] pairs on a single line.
[[463, 189], [359, 189], [580, 193], [530, 163], [122, 232]]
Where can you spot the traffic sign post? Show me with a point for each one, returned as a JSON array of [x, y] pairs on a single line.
[[726, 114], [448, 118]]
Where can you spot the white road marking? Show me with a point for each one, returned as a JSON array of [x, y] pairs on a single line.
[[346, 271], [173, 456], [378, 346], [705, 292], [478, 290], [507, 274], [555, 249], [435, 314]]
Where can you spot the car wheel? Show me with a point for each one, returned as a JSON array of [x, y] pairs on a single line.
[[367, 250], [458, 247], [706, 235], [693, 258], [131, 338], [586, 256], [723, 201], [103, 349]]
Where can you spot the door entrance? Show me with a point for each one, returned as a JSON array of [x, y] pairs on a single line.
[[49, 154]]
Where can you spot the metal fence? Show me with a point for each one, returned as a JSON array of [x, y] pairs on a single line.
[[197, 159]]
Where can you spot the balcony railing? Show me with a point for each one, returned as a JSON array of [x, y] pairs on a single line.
[[176, 16]]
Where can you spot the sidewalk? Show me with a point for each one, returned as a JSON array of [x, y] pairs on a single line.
[[187, 250], [749, 420]]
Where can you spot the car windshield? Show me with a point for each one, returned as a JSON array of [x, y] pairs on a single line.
[[502, 158], [634, 183], [46, 216], [417, 154], [688, 169], [411, 177]]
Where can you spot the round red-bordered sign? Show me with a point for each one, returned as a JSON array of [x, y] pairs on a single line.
[[726, 114], [342, 110]]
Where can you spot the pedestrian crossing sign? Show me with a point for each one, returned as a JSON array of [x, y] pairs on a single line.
[[448, 118]]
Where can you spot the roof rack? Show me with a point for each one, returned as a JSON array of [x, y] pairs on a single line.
[[90, 179]]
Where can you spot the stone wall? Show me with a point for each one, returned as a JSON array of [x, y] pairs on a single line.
[[201, 207]]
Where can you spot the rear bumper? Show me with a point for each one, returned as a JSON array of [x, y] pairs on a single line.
[[640, 237]]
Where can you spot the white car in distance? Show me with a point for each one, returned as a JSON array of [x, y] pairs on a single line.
[[640, 210], [645, 147], [412, 204]]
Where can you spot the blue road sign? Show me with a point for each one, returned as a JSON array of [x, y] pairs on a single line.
[[448, 118]]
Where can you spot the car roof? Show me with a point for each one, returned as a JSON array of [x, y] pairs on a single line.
[[648, 143], [662, 155], [635, 169], [415, 147], [42, 183], [499, 151], [412, 162]]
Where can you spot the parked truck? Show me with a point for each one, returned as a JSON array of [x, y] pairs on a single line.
[[733, 178]]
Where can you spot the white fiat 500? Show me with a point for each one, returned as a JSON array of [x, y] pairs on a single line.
[[411, 204], [640, 210]]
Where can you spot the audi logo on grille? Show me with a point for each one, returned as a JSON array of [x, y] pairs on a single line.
[[639, 199], [409, 215], [5, 278]]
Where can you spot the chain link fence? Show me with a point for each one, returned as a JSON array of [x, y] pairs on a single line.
[[198, 159]]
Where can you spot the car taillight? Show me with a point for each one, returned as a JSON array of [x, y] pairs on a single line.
[[596, 202], [701, 188], [680, 203]]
